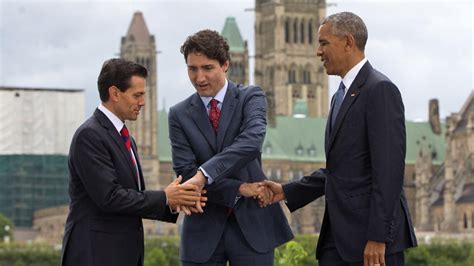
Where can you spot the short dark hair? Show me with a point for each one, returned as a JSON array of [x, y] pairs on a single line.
[[209, 43], [118, 72], [348, 23]]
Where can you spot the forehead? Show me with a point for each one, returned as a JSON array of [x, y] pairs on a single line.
[[325, 30], [197, 59], [137, 83]]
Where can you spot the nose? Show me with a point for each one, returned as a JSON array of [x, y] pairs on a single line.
[[319, 51], [200, 77], [142, 101]]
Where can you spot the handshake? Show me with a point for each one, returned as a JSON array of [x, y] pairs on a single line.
[[189, 197]]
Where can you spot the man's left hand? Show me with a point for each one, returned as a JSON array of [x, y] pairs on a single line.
[[199, 180], [374, 253]]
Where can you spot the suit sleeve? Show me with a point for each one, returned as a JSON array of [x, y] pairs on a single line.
[[303, 191], [247, 145], [92, 160], [185, 164], [387, 143]]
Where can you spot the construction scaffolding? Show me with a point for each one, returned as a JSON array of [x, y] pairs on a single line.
[[30, 183]]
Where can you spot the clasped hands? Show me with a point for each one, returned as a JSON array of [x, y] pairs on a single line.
[[188, 197], [265, 192], [185, 197]]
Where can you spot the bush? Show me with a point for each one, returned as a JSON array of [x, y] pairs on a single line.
[[31, 255], [301, 251]]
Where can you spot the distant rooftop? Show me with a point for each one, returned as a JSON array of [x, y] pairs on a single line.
[[302, 139], [232, 34], [138, 31], [9, 88]]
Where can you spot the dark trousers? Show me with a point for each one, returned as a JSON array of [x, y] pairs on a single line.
[[330, 257], [233, 247]]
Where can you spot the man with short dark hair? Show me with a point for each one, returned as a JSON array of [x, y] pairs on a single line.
[[366, 219], [216, 137], [106, 185]]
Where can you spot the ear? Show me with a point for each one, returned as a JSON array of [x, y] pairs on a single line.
[[350, 42], [113, 93], [225, 66]]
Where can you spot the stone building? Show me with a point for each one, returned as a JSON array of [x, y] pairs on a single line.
[[239, 54], [445, 195], [286, 65]]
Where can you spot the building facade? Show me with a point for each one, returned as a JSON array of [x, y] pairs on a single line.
[[37, 128], [445, 195], [286, 65]]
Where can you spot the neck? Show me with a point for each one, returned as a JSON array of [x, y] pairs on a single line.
[[352, 61], [111, 108]]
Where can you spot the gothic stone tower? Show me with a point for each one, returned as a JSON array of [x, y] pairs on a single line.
[[286, 65], [139, 46], [239, 54]]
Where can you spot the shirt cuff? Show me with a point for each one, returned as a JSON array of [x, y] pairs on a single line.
[[210, 180]]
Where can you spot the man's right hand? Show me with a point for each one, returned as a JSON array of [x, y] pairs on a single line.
[[276, 188], [183, 195]]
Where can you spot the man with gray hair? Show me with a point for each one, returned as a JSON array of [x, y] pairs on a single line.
[[366, 219]]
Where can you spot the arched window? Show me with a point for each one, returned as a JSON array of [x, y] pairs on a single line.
[[302, 32], [295, 31], [472, 220], [465, 220], [287, 31], [310, 32]]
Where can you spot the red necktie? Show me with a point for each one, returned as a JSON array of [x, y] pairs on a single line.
[[128, 145], [214, 114]]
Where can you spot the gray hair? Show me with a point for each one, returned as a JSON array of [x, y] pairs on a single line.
[[345, 23]]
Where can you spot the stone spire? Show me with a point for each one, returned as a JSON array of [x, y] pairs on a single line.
[[139, 46]]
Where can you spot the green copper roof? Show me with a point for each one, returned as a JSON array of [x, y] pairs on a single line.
[[302, 139], [300, 107], [231, 33], [420, 132]]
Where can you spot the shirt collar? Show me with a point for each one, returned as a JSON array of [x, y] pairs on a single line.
[[219, 96], [351, 75], [118, 124]]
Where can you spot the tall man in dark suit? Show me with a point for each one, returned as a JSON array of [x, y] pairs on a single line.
[[216, 137], [366, 220], [106, 186]]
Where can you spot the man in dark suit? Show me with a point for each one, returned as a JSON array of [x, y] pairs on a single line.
[[216, 137], [366, 220], [106, 186]]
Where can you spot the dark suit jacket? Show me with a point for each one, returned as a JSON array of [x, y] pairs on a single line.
[[231, 157], [104, 225], [363, 179]]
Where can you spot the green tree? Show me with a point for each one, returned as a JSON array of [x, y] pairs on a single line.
[[6, 227], [290, 255], [156, 256]]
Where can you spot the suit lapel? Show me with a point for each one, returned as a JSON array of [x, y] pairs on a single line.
[[198, 113], [349, 99], [327, 131], [228, 107], [135, 151], [112, 131]]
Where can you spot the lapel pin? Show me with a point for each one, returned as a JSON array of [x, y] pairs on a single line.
[[352, 95]]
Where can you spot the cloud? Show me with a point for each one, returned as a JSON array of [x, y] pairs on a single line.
[[424, 46]]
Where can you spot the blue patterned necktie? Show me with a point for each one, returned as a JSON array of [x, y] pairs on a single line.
[[338, 98]]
